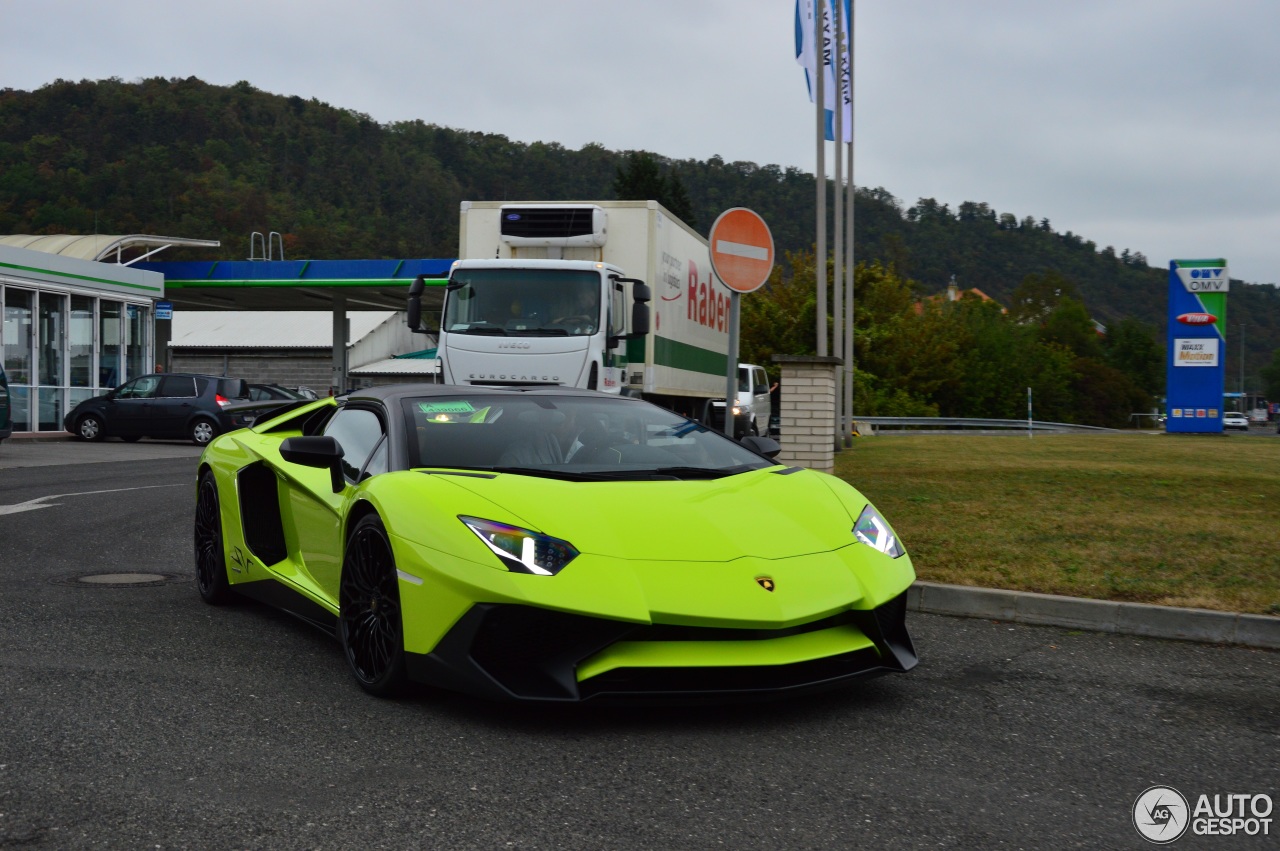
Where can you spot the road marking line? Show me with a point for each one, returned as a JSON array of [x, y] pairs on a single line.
[[39, 502]]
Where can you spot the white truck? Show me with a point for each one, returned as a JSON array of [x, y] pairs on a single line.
[[543, 294]]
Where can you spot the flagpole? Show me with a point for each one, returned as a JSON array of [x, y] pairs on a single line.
[[850, 261], [837, 288], [820, 175]]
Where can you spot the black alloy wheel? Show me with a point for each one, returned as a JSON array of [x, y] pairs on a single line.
[[211, 564], [369, 621]]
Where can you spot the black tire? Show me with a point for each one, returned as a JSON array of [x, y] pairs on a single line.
[[754, 430], [211, 562], [370, 626], [90, 427], [202, 431]]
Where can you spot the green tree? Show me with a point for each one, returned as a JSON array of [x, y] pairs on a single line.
[[1271, 377], [1070, 326], [1038, 295], [641, 179], [1130, 346]]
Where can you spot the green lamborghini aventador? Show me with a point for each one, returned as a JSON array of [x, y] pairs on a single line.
[[551, 545]]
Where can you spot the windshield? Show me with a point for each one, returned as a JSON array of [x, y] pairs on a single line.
[[523, 302], [573, 437]]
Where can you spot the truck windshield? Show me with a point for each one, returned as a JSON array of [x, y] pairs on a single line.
[[523, 302]]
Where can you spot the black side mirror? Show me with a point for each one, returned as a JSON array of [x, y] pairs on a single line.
[[639, 319], [766, 446], [320, 452], [413, 311]]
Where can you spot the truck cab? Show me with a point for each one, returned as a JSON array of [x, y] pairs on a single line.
[[534, 322]]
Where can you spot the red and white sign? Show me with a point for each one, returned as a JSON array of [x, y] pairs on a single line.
[[1197, 318], [741, 250]]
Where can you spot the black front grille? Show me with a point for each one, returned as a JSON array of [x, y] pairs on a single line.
[[664, 632], [523, 652], [738, 682], [547, 222]]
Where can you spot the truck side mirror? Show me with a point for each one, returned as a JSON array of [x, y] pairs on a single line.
[[640, 309], [639, 319], [413, 311]]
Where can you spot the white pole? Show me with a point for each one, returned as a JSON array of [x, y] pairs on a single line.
[[820, 177], [1029, 413], [837, 290], [849, 260]]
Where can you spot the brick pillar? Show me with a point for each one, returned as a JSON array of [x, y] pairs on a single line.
[[808, 411]]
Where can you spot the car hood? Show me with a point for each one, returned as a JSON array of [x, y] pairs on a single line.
[[774, 513]]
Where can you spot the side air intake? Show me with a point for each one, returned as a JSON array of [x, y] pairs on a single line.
[[550, 225]]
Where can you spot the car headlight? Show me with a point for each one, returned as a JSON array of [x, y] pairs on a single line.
[[736, 410], [521, 550], [874, 531]]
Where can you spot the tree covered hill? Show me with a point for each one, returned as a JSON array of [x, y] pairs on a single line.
[[185, 158]]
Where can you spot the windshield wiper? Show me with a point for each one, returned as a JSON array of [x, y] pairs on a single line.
[[543, 332], [547, 473], [491, 330], [701, 472]]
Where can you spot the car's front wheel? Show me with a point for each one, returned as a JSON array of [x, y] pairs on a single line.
[[211, 563], [370, 625], [203, 431], [89, 428]]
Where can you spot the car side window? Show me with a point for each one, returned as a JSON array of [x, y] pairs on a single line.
[[177, 386], [139, 388], [377, 462], [358, 431]]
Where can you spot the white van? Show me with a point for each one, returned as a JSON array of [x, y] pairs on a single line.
[[753, 409]]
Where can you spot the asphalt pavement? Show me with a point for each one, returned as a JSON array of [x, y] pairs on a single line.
[[136, 716]]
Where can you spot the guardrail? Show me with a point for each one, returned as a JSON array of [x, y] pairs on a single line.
[[936, 425]]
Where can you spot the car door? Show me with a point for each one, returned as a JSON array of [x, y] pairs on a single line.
[[318, 514], [129, 410], [173, 405]]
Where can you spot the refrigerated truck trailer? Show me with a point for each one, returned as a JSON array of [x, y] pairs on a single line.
[[616, 296]]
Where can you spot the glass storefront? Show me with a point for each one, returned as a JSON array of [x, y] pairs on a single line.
[[19, 353], [61, 348]]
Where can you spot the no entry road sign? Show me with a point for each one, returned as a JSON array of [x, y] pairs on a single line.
[[741, 249]]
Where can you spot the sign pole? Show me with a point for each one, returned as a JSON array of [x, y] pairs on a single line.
[[731, 374], [1029, 434], [741, 249]]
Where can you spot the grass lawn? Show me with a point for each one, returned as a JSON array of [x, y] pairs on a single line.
[[1177, 520]]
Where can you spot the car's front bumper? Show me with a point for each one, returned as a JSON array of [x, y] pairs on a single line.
[[516, 652]]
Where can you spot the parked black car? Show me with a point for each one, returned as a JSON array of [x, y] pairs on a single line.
[[264, 392], [169, 405]]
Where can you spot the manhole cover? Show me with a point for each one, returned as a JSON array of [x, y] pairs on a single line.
[[119, 580]]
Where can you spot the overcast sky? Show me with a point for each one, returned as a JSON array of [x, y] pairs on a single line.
[[1152, 125]]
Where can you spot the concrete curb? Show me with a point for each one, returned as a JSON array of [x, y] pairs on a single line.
[[1201, 625]]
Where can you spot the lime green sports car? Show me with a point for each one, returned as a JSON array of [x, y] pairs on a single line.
[[551, 545]]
